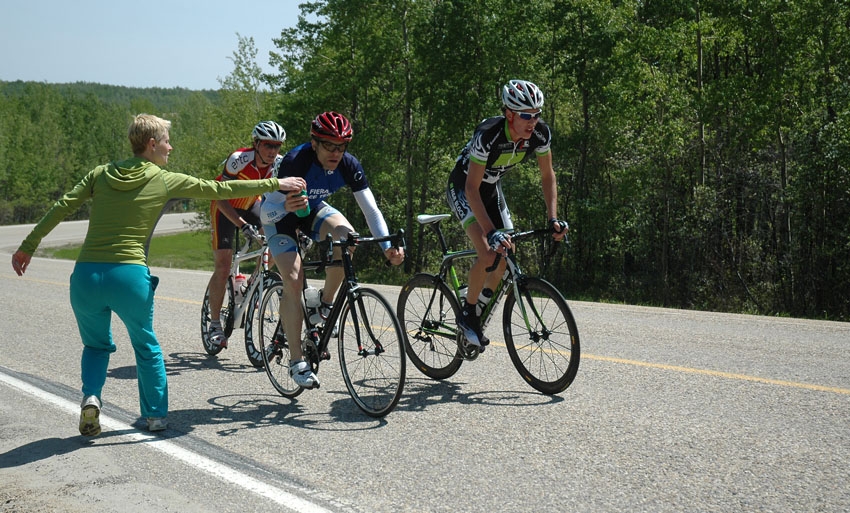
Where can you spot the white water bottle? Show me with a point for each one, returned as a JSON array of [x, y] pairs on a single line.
[[312, 298], [483, 299], [240, 286]]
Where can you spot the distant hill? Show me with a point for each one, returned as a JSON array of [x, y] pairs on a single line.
[[164, 98]]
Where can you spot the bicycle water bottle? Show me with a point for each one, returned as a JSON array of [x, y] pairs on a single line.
[[483, 299], [240, 286], [313, 300], [304, 212]]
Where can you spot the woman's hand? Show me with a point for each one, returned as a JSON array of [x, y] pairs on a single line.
[[292, 183], [20, 262]]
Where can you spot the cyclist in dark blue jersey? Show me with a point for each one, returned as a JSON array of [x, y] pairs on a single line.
[[475, 194], [321, 167]]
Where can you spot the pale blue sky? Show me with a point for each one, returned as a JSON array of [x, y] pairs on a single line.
[[177, 43]]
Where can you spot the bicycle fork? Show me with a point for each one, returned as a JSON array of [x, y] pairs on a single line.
[[356, 303]]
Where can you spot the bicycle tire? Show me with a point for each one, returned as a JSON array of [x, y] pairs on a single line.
[[274, 347], [371, 352], [226, 319], [255, 356], [428, 311], [548, 356]]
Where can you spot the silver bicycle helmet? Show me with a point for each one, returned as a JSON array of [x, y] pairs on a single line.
[[269, 131], [521, 95]]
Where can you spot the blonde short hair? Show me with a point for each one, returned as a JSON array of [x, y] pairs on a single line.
[[143, 128]]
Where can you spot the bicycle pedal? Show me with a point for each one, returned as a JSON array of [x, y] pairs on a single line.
[[471, 352]]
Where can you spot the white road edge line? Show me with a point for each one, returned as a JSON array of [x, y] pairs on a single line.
[[223, 472]]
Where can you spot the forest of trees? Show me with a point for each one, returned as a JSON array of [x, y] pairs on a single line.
[[701, 146]]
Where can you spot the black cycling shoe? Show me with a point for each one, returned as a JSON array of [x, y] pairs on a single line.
[[470, 325]]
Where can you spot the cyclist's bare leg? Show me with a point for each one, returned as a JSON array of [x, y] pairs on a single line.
[[478, 279], [218, 281], [339, 226], [291, 314], [478, 276]]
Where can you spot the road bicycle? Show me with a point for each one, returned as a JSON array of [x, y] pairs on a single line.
[[239, 306], [370, 340], [540, 332]]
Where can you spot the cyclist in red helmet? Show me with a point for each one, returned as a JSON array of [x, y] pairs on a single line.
[[226, 216], [324, 166]]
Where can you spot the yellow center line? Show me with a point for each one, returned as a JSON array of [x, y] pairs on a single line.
[[718, 374], [705, 372]]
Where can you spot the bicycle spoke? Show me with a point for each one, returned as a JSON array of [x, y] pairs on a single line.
[[371, 353], [428, 313], [541, 336]]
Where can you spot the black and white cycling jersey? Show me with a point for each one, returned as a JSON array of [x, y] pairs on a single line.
[[491, 145]]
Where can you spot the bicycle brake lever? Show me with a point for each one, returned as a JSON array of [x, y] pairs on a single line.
[[495, 263]]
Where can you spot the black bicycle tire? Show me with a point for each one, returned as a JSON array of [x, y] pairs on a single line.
[[446, 348], [537, 353], [368, 391], [227, 321], [255, 356], [278, 370]]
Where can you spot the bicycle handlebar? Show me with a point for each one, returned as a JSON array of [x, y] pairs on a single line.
[[354, 239], [520, 236]]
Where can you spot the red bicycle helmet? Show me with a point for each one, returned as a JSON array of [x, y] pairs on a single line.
[[331, 125]]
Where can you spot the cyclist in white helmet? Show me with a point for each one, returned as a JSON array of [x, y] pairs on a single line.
[[475, 194], [226, 216]]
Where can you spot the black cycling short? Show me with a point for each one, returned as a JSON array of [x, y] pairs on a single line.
[[223, 229]]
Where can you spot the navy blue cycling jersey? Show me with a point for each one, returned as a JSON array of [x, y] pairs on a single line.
[[491, 145], [301, 161]]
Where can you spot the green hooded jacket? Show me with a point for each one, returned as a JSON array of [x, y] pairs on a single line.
[[127, 200]]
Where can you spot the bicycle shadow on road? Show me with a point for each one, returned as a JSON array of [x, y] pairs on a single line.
[[178, 363], [422, 393], [239, 412]]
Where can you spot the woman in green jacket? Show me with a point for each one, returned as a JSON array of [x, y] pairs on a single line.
[[111, 273]]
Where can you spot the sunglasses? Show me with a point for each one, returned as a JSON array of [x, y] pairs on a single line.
[[527, 115], [331, 147]]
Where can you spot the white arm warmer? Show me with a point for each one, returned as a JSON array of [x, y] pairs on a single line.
[[374, 218]]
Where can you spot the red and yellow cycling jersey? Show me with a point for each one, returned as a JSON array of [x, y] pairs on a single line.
[[241, 165]]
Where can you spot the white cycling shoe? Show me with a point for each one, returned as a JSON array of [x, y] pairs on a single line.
[[218, 338], [303, 375]]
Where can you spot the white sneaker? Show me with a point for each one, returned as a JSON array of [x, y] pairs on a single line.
[[217, 337], [90, 416], [157, 424], [302, 375]]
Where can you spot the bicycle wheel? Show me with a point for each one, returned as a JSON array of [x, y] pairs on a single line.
[[273, 345], [371, 352], [251, 348], [428, 312], [226, 319], [545, 351]]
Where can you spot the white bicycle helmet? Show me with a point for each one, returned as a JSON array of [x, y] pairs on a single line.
[[521, 95], [269, 131]]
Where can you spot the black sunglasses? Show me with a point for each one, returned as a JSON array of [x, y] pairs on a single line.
[[329, 146]]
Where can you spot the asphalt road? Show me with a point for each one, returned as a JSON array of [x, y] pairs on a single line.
[[671, 410]]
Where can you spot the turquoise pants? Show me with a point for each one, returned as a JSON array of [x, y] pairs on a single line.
[[97, 290]]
